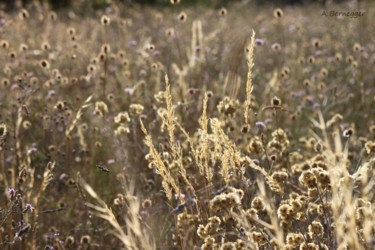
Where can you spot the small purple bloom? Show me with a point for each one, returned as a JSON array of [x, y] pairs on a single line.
[[28, 208], [260, 125], [11, 192], [130, 91], [267, 121], [259, 42]]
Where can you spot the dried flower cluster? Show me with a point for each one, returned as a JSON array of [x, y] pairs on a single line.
[[186, 128]]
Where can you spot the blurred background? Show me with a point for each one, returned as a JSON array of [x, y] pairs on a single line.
[[11, 5]]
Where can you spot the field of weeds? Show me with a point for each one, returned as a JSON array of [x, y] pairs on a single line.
[[250, 127]]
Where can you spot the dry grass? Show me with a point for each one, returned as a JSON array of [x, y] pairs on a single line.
[[195, 128]]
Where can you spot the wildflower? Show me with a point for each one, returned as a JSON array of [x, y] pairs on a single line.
[[11, 192], [260, 125], [28, 208], [259, 42]]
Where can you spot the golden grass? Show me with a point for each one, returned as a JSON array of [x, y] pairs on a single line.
[[145, 128]]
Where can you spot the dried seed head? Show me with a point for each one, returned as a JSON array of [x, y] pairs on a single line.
[[154, 66], [315, 229], [71, 31], [258, 204], [23, 47], [136, 109], [245, 128], [12, 55], [323, 72], [44, 64], [101, 108], [105, 20], [169, 32], [370, 147], [356, 47], [147, 203], [24, 14], [201, 231], [91, 68], [45, 46], [372, 129], [182, 16], [311, 59], [106, 48], [52, 16], [4, 44], [223, 12], [69, 241], [276, 47], [316, 43], [5, 82], [3, 130], [85, 239], [122, 117], [276, 101], [349, 59], [278, 13], [338, 57], [347, 132], [175, 1], [151, 47]]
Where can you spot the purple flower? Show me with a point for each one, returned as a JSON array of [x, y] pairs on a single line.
[[130, 91], [260, 125], [28, 208], [11, 192], [259, 42]]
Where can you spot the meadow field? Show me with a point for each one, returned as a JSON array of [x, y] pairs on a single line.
[[188, 127]]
